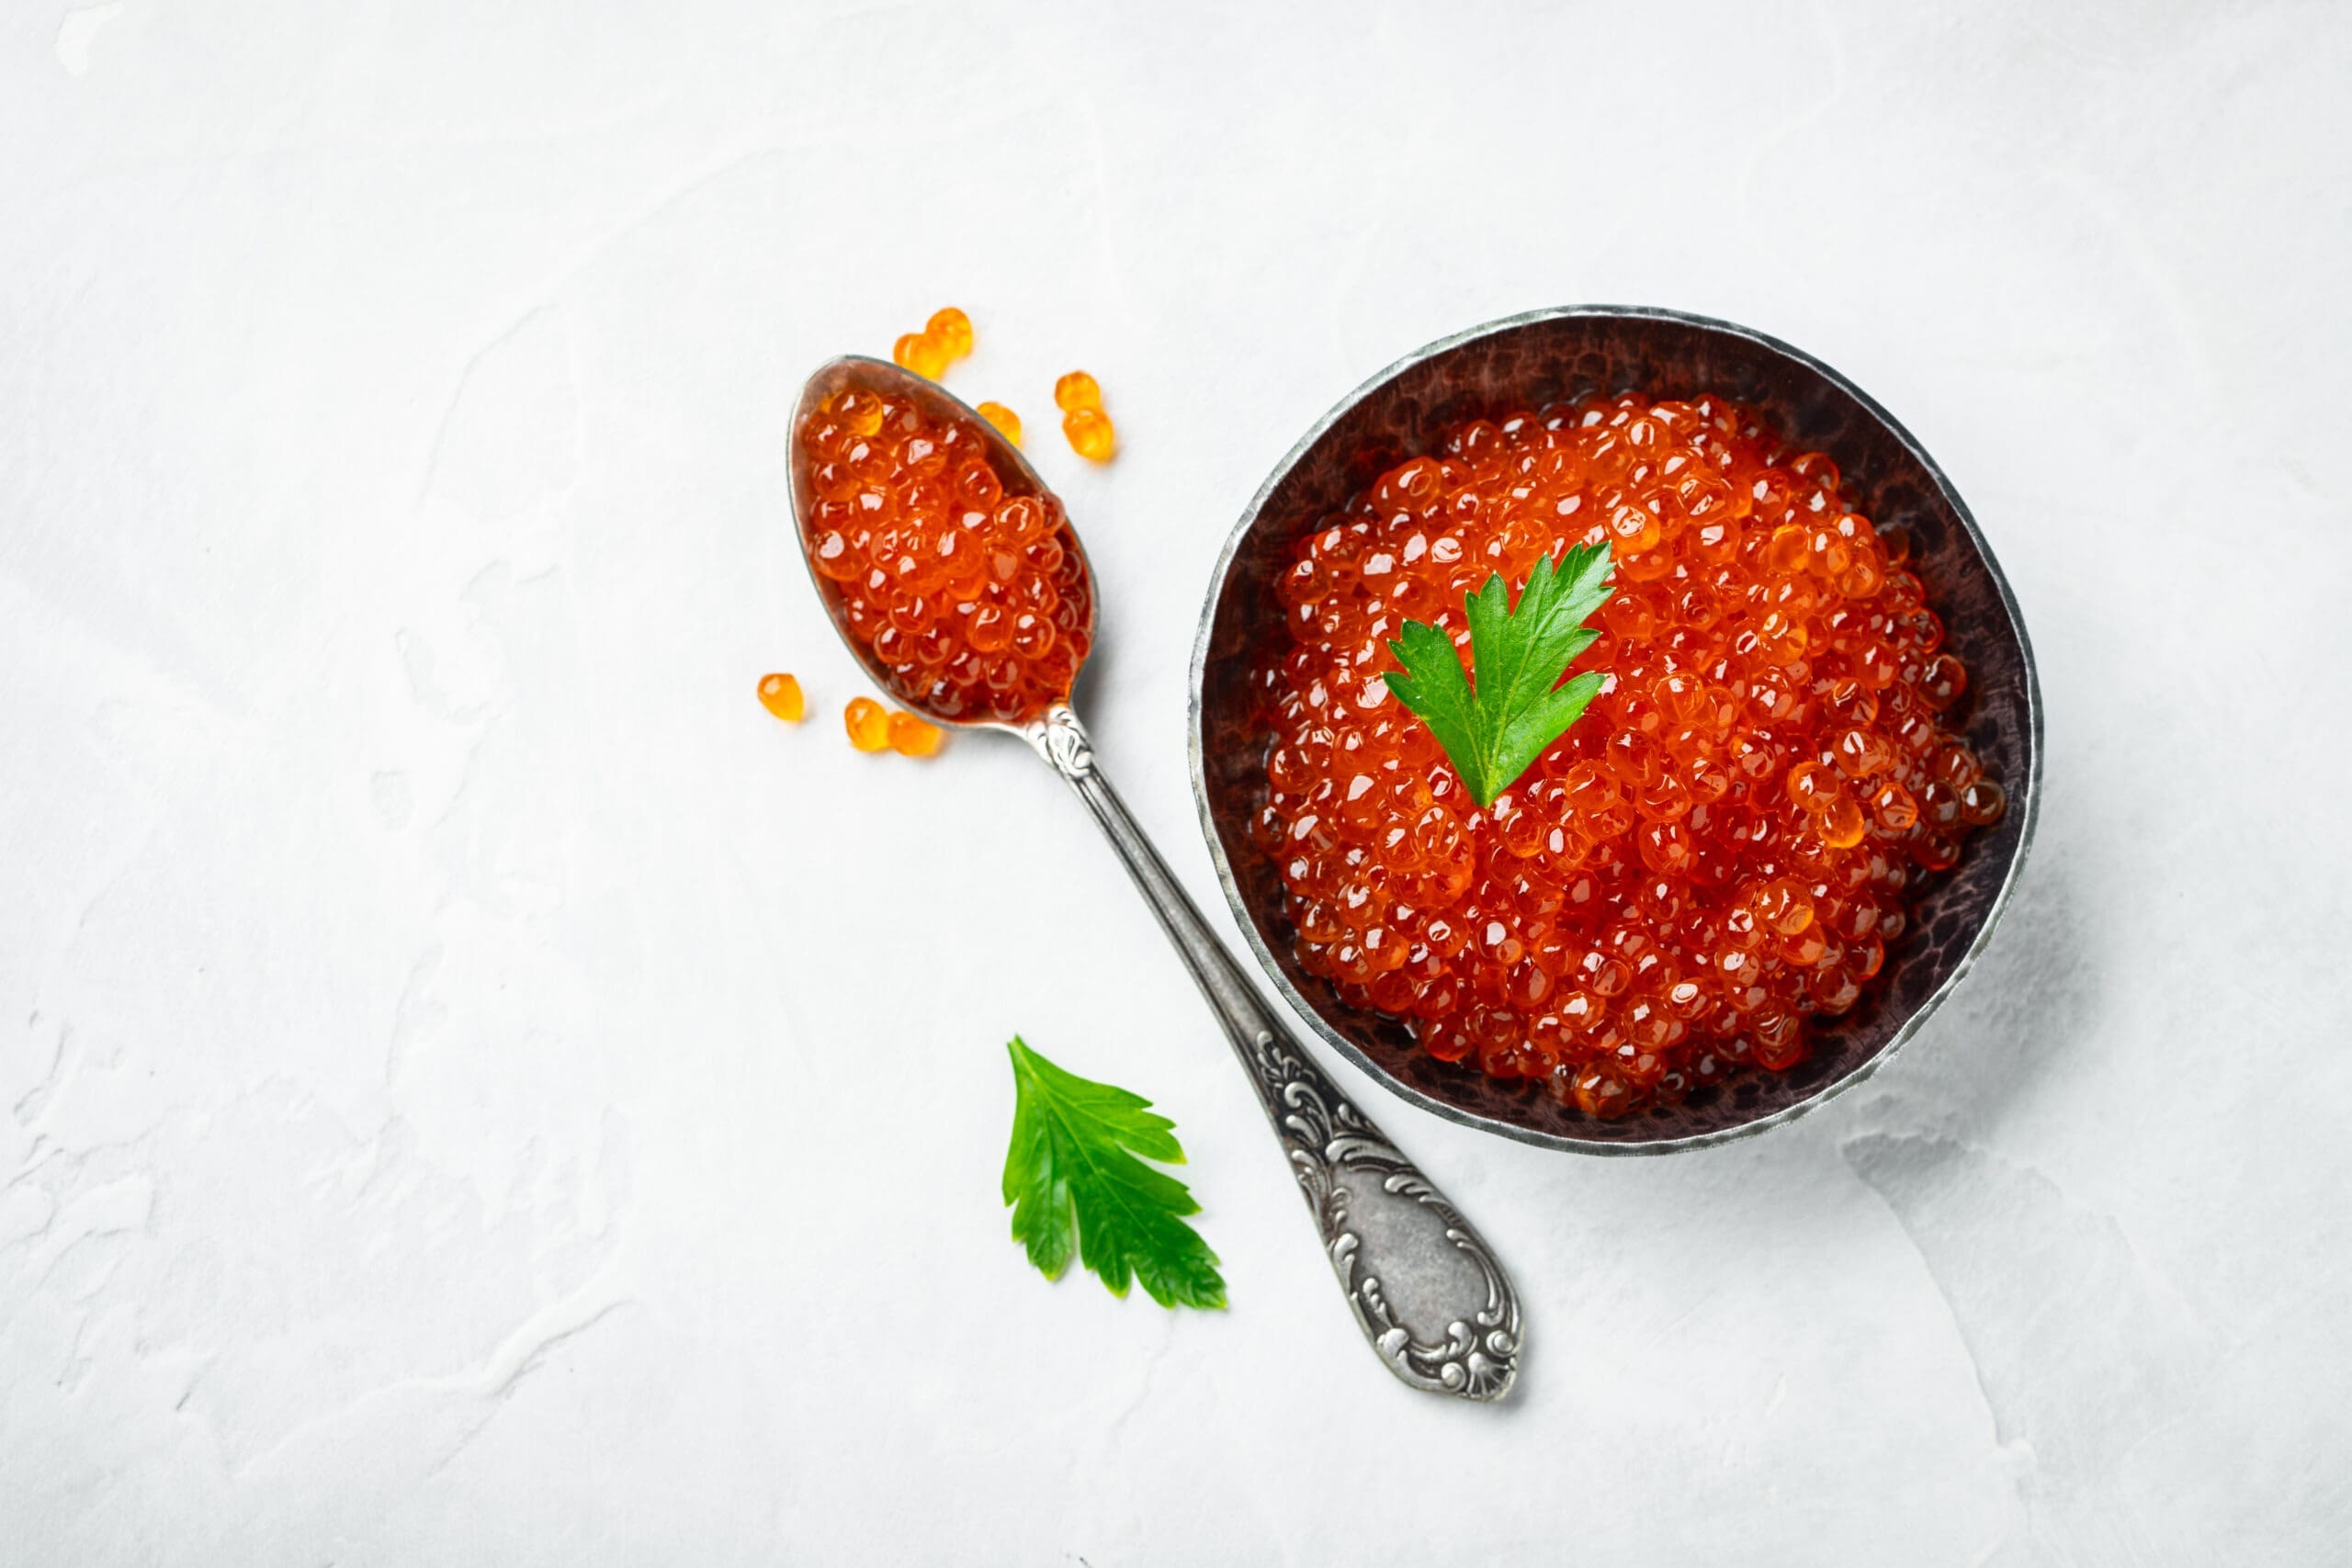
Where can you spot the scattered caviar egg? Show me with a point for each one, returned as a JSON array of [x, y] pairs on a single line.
[[868, 723], [952, 330], [1089, 429], [920, 353], [780, 694], [1091, 433], [911, 737], [1716, 854], [1007, 422], [969, 592]]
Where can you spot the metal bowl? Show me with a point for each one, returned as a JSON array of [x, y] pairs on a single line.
[[1526, 362]]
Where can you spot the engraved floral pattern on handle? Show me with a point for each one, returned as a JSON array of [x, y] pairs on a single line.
[[1063, 741], [1344, 1165], [1340, 1159]]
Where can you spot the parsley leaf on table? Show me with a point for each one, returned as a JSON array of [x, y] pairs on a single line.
[[1073, 1180], [1519, 706]]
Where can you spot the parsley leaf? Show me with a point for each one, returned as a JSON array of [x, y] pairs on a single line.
[[1519, 707], [1073, 1180]]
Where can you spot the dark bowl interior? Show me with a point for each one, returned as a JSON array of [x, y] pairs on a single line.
[[1523, 362]]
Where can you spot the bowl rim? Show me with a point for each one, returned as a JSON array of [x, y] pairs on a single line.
[[2030, 792]]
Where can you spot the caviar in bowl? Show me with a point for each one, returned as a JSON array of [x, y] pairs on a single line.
[[1453, 1030]]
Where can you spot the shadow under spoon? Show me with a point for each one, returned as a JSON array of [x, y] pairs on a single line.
[[1424, 1287]]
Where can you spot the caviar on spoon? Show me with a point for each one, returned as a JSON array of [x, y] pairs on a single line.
[[954, 577]]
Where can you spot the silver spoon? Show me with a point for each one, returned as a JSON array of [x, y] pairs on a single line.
[[1424, 1287]]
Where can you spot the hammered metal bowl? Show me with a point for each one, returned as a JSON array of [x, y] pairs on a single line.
[[1526, 362]]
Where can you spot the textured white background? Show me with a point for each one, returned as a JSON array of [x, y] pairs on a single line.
[[474, 1090]]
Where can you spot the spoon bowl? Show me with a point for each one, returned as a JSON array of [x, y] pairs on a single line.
[[1014, 472], [1526, 362]]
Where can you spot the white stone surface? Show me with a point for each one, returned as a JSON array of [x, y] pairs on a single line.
[[474, 1090]]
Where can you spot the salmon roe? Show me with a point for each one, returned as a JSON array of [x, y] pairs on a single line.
[[975, 601], [945, 339], [1716, 851], [780, 694], [1086, 426], [911, 736], [951, 329], [1007, 422], [868, 723]]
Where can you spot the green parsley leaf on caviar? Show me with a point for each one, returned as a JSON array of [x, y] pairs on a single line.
[[1075, 1184], [1494, 731]]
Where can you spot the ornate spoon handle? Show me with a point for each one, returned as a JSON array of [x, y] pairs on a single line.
[[1424, 1287]]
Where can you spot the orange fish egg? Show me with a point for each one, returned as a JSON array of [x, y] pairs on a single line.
[[911, 737], [780, 694], [868, 723], [952, 330], [920, 353], [1090, 435], [1007, 422]]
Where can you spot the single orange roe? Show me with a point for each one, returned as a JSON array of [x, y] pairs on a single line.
[[868, 723], [1717, 850], [1008, 424], [1091, 435], [780, 694], [920, 353], [952, 330], [975, 599], [1077, 390], [857, 413], [911, 736]]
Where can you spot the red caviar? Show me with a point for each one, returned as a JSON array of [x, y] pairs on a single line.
[[911, 736], [1088, 428], [1717, 850], [868, 723], [975, 600], [780, 694]]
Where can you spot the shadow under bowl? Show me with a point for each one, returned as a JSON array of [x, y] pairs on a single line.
[[1526, 362]]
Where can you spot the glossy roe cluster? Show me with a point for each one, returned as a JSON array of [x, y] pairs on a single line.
[[975, 601], [1718, 850]]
